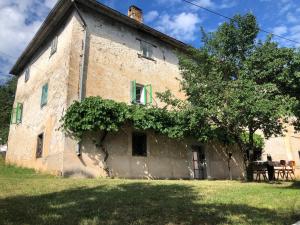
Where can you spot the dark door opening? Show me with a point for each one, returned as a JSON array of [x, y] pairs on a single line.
[[40, 145], [199, 162]]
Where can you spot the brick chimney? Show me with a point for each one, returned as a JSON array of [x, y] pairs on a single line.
[[135, 13]]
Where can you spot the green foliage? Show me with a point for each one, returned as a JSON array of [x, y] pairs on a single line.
[[241, 85], [7, 95], [94, 114], [97, 114], [259, 142]]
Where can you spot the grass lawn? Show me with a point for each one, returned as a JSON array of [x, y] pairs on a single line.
[[30, 198]]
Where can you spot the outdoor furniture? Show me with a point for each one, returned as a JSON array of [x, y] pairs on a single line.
[[290, 170], [260, 170], [280, 169]]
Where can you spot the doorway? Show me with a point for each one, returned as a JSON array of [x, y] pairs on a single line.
[[199, 162]]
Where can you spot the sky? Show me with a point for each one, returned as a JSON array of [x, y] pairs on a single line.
[[20, 20]]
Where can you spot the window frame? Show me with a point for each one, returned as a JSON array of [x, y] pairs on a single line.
[[146, 96], [134, 151], [150, 49], [53, 48], [17, 114], [44, 96], [27, 74], [39, 152]]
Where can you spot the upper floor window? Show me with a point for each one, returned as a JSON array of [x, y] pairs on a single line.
[[140, 94], [17, 114], [27, 74], [146, 50], [54, 45], [44, 98]]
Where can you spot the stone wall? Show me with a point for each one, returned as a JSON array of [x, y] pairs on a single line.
[[54, 70], [113, 61], [166, 158]]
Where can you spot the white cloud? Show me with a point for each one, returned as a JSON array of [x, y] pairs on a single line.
[[211, 4], [19, 21], [291, 18], [182, 26], [205, 3], [50, 3], [280, 30], [150, 16], [227, 4]]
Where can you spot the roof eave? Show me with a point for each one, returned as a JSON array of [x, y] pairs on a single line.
[[54, 17], [59, 11], [133, 23]]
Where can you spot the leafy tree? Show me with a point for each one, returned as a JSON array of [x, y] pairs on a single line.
[[241, 85], [7, 95]]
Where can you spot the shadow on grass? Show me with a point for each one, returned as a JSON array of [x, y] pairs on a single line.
[[135, 203]]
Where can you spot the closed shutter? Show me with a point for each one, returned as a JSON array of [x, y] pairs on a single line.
[[44, 98], [133, 91], [27, 74], [13, 116], [19, 113]]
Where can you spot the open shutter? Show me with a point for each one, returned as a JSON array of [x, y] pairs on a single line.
[[19, 112], [148, 94], [133, 91], [13, 116]]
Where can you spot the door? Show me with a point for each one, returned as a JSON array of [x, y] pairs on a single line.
[[199, 162]]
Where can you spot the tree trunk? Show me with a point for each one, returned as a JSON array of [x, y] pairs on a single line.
[[104, 150], [243, 150], [250, 148]]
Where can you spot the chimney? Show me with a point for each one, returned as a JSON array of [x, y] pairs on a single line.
[[135, 13]]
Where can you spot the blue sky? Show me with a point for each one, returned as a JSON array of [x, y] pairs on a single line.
[[20, 19]]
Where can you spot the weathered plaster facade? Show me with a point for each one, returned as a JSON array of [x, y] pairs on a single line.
[[112, 62], [53, 70], [284, 148]]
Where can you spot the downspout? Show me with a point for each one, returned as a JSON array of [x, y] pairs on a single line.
[[82, 64]]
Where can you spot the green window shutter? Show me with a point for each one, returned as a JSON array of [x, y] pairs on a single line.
[[148, 94], [13, 116], [44, 97], [133, 91], [145, 95], [19, 112]]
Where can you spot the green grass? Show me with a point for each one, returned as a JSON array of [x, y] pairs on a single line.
[[30, 198]]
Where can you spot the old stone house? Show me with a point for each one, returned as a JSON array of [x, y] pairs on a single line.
[[87, 49]]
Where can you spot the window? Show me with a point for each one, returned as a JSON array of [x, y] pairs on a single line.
[[44, 98], [40, 146], [16, 115], [141, 94], [27, 74], [146, 50], [54, 45], [139, 144]]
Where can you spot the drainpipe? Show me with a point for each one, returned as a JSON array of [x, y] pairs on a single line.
[[82, 64]]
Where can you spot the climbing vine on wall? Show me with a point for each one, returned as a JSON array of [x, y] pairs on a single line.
[[97, 114], [107, 116]]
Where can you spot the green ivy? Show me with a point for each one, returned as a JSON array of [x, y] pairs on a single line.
[[102, 115], [97, 114]]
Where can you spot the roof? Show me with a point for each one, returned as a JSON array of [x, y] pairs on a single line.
[[59, 12]]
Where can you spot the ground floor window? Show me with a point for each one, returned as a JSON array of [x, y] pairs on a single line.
[[40, 146], [139, 144]]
